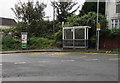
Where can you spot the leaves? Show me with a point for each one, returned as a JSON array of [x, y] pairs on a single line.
[[27, 12], [92, 7], [64, 10], [87, 20], [30, 16]]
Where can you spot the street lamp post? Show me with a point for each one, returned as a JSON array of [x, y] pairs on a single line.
[[98, 26]]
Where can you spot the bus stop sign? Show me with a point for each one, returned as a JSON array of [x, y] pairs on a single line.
[[98, 27]]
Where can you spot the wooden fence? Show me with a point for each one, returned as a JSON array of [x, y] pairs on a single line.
[[110, 42]]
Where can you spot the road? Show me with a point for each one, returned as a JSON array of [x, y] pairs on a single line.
[[59, 66]]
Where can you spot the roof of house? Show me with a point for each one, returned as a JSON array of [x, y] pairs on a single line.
[[7, 21]]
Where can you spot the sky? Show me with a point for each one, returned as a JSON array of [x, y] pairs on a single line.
[[6, 5]]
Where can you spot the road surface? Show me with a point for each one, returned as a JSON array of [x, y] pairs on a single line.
[[59, 66]]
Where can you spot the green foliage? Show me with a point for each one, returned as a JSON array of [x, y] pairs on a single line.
[[73, 21], [28, 12], [41, 43], [87, 20], [7, 30], [92, 41], [115, 32], [37, 29], [58, 38], [47, 31], [9, 43], [20, 27], [110, 33], [92, 7], [31, 20], [64, 9]]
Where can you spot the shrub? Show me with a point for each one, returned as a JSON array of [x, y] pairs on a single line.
[[41, 43], [92, 41], [110, 33], [9, 43], [58, 38]]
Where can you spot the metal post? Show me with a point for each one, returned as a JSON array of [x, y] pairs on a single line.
[[63, 35], [97, 24], [98, 40], [53, 19], [73, 38], [85, 38], [97, 10]]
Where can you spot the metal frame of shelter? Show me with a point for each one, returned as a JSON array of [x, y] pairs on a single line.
[[75, 37]]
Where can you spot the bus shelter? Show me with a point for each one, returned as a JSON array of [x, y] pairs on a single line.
[[75, 37]]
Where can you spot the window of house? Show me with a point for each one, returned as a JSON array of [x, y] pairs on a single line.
[[118, 7], [115, 23]]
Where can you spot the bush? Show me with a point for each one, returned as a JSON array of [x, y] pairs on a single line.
[[9, 43], [115, 32], [58, 38], [92, 42], [41, 43], [110, 33]]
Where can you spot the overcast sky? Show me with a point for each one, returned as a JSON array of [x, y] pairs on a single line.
[[6, 5]]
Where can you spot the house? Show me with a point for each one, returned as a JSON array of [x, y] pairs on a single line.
[[113, 14], [6, 23]]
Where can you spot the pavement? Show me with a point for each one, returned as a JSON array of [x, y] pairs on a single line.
[[61, 50]]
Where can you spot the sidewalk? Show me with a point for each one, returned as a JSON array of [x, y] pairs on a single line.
[[60, 50]]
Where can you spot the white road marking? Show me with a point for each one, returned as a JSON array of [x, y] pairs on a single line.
[[41, 65], [19, 63], [0, 64], [43, 61], [67, 60], [91, 59]]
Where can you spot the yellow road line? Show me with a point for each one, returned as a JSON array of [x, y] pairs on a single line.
[[98, 53], [37, 53]]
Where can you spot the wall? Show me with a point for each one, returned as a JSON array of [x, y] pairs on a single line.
[[111, 12], [110, 43]]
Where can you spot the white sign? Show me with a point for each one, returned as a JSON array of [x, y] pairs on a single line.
[[24, 38]]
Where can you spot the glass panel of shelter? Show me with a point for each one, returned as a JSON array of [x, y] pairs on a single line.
[[68, 37], [68, 33], [79, 37]]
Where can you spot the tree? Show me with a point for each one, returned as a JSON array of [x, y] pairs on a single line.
[[92, 7], [27, 12], [30, 17], [64, 10]]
